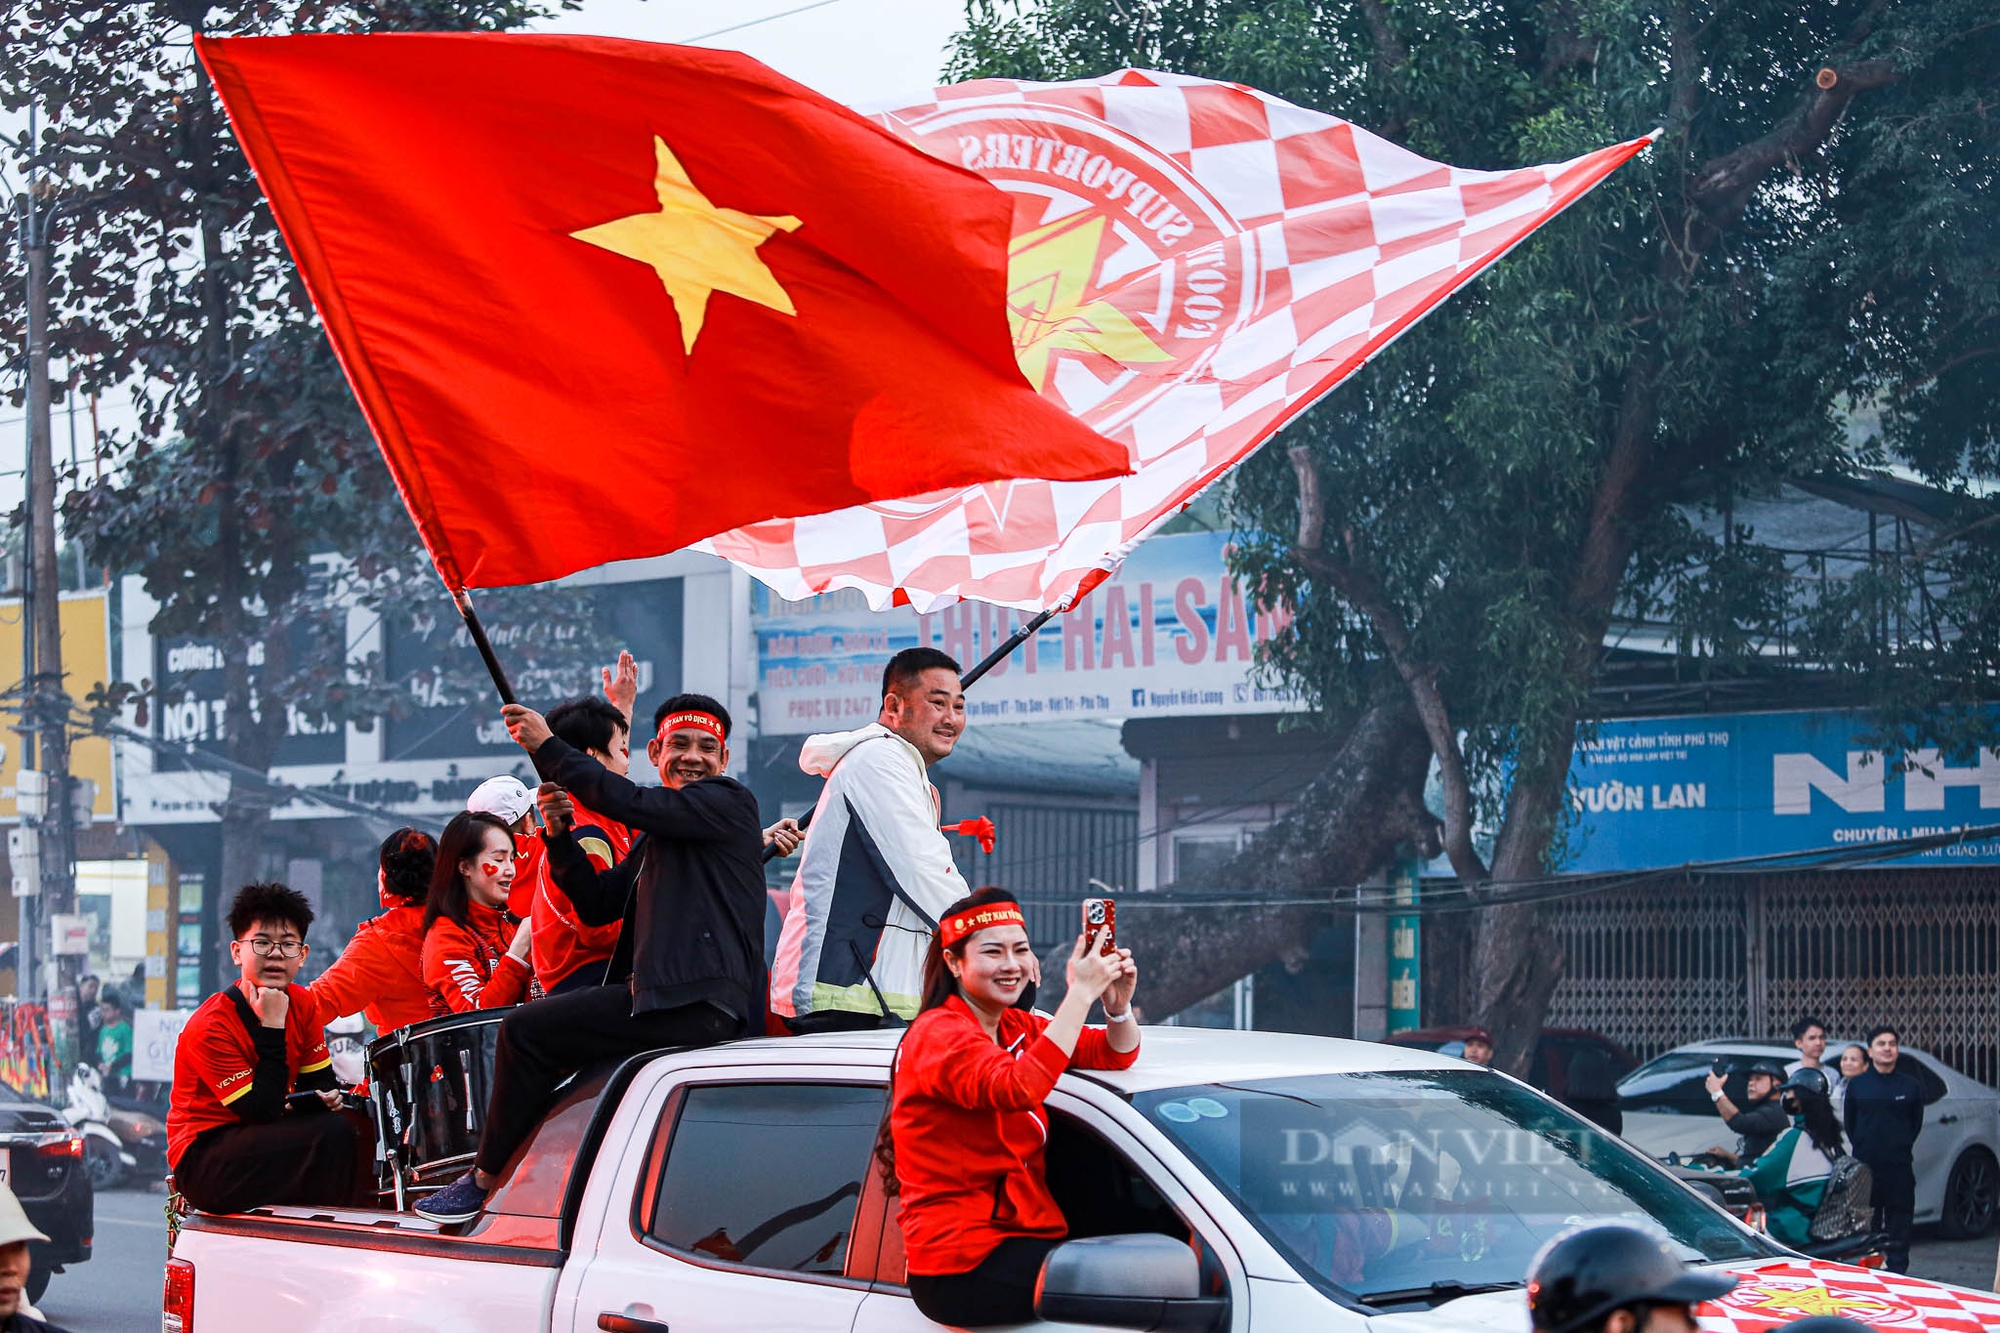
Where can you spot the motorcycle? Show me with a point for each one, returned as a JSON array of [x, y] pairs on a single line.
[[117, 1140]]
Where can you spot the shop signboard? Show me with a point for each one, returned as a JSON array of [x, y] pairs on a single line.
[[1656, 792], [1172, 634], [1406, 959], [86, 639], [642, 617]]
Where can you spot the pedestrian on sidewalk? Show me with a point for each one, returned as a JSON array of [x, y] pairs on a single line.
[[1885, 1113]]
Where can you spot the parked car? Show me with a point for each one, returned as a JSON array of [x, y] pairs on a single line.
[[1554, 1050], [734, 1187], [41, 1160], [1667, 1109]]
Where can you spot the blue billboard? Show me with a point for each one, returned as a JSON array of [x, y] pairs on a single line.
[[1654, 792]]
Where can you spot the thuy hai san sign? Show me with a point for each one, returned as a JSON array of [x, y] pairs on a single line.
[[1171, 635], [1651, 792]]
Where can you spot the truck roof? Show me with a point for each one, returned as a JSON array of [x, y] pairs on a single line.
[[1170, 1056]]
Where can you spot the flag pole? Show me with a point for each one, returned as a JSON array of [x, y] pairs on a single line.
[[986, 664], [1014, 640], [463, 602]]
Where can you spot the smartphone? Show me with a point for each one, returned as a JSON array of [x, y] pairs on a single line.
[[303, 1101], [1101, 914]]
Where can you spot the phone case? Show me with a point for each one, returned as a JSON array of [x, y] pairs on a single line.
[[1101, 913]]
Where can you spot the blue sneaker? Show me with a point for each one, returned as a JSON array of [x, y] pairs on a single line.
[[460, 1201]]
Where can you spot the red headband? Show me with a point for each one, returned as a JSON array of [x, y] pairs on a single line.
[[961, 924], [707, 722]]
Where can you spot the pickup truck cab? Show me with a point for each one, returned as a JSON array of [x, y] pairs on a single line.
[[1228, 1181]]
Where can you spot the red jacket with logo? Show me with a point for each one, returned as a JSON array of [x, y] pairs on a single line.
[[561, 942], [969, 1130], [216, 1059], [468, 967], [380, 972]]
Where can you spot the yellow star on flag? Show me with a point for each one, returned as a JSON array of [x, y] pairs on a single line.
[[1048, 273], [695, 247], [1810, 1301]]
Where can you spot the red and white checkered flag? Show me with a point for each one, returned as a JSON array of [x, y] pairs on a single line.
[[1193, 264]]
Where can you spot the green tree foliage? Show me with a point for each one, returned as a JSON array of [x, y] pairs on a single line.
[[1813, 233], [249, 459]]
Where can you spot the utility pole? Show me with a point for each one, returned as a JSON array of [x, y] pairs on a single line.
[[47, 698]]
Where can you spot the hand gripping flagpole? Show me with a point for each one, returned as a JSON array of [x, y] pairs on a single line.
[[967, 681], [463, 602]]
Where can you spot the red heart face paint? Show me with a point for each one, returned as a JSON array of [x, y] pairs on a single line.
[[491, 868]]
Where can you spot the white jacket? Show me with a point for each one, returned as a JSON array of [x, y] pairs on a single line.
[[873, 878]]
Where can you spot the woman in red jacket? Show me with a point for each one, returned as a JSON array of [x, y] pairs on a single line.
[[966, 1122], [381, 971], [470, 962]]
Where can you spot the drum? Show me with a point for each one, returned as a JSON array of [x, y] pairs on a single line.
[[431, 1081]]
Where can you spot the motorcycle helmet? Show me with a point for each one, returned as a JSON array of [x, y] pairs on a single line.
[[1583, 1275]]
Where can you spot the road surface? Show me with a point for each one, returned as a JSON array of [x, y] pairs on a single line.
[[118, 1291]]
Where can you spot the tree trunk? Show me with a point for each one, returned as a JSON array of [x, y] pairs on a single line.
[[1346, 826]]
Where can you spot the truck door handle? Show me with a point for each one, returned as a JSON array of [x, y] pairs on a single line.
[[625, 1323], [1947, 1120]]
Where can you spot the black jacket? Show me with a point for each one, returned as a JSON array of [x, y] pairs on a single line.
[[1758, 1126], [1885, 1113], [690, 893]]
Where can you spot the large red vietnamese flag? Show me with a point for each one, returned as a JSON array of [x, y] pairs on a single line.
[[601, 299]]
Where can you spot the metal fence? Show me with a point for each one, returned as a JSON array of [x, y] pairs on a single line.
[[1730, 956], [1048, 854]]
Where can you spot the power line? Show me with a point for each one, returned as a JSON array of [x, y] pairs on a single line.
[[751, 23], [1457, 896]]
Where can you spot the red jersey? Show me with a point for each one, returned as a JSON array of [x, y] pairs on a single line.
[[468, 967], [380, 973], [561, 943], [529, 858], [969, 1130], [217, 1055]]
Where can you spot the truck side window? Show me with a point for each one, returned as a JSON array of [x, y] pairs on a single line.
[[766, 1174]]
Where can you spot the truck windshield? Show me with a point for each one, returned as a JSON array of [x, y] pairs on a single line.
[[1381, 1185]]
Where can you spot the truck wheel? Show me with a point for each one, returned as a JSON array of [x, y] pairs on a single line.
[[38, 1282], [101, 1164], [1971, 1195]]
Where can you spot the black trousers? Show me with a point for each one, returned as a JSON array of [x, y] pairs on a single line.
[[1895, 1210], [1001, 1290], [543, 1043], [310, 1157]]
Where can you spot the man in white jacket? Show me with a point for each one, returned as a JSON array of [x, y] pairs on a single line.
[[876, 872]]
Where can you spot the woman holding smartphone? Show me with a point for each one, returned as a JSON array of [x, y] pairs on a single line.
[[967, 1126], [470, 960]]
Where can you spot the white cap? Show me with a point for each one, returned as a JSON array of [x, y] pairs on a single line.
[[14, 1223], [508, 797]]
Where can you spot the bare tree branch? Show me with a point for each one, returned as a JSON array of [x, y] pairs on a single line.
[[1346, 576], [1723, 185]]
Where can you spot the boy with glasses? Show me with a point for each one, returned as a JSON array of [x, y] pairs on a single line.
[[256, 1117]]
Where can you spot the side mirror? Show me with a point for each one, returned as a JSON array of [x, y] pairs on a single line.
[[1143, 1282]]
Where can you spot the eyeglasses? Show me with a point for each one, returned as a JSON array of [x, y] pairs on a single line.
[[264, 948]]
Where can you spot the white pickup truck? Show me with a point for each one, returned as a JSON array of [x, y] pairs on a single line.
[[1228, 1181]]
